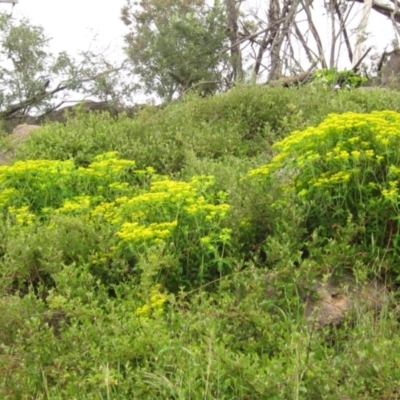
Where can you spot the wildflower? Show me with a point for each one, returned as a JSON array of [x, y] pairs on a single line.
[[354, 139], [303, 193], [22, 215], [225, 235], [155, 305], [369, 153]]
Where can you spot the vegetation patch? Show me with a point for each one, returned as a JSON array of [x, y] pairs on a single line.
[[180, 254], [144, 213]]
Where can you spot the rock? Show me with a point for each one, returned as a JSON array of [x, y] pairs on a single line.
[[5, 157], [21, 132], [327, 306], [391, 71], [88, 106], [331, 302], [18, 136]]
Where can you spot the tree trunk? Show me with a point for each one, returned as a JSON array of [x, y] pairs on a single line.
[[236, 55], [361, 30]]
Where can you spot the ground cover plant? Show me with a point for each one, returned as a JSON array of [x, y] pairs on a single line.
[[171, 256]]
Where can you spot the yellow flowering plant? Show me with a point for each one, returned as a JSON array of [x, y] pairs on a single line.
[[181, 215], [154, 304], [142, 209], [345, 169], [35, 183]]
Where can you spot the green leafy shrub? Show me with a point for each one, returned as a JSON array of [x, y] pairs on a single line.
[[136, 213], [346, 170], [233, 343], [334, 77], [242, 123]]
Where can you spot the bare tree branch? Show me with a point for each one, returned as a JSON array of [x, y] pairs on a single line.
[[236, 54], [311, 55], [358, 63], [333, 34], [288, 16], [314, 32], [343, 29], [361, 29]]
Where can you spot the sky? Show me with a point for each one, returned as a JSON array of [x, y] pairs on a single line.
[[77, 25], [74, 24]]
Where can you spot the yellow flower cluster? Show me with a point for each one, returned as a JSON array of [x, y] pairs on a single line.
[[202, 182], [107, 191], [77, 204], [340, 148], [36, 167], [22, 215], [209, 241], [105, 211], [135, 233], [326, 178], [166, 199], [211, 211], [7, 196], [391, 194], [24, 182], [112, 167], [155, 305]]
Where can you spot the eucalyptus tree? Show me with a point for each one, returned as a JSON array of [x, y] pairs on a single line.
[[177, 45]]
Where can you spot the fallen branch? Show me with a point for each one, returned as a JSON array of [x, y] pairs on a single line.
[[296, 79]]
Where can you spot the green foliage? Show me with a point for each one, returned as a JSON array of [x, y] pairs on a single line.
[[230, 344], [143, 214], [237, 124], [241, 123], [346, 171], [345, 79], [25, 47], [175, 45], [190, 279], [33, 80]]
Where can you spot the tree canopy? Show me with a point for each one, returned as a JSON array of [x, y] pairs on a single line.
[[176, 44]]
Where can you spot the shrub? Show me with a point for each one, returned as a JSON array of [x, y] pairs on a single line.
[[346, 170], [345, 79], [170, 230], [243, 122]]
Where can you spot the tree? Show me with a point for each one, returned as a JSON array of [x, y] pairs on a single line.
[[33, 80], [175, 45]]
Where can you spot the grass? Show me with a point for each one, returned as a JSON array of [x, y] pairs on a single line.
[[211, 306]]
